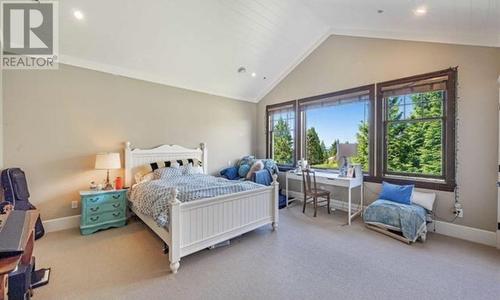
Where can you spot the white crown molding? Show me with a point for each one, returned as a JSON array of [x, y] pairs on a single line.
[[134, 74], [442, 38]]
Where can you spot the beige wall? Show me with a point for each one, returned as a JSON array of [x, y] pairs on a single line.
[[56, 121], [346, 62]]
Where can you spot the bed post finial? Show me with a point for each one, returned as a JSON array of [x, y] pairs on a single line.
[[127, 145], [204, 157]]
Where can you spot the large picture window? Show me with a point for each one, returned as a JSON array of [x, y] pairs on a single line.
[[281, 122], [417, 129], [331, 119]]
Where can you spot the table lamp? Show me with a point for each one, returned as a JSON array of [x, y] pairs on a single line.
[[108, 161], [344, 151]]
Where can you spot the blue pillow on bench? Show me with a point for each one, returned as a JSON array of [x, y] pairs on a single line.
[[396, 193], [230, 173]]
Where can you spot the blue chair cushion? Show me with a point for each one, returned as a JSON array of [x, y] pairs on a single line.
[[230, 173], [243, 170], [396, 193]]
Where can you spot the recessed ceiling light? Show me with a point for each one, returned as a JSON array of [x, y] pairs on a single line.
[[380, 11], [420, 11], [78, 15], [254, 74]]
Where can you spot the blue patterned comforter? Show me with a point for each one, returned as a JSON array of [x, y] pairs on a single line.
[[151, 198], [409, 219]]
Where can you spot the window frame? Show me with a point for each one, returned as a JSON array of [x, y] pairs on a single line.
[[446, 181], [370, 89], [269, 109]]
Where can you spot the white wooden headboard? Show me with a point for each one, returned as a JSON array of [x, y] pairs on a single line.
[[137, 157]]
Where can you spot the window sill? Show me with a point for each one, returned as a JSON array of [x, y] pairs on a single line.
[[430, 184]]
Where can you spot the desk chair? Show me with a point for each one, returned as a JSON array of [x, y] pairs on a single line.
[[312, 192]]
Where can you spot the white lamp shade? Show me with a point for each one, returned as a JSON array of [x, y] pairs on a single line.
[[107, 161]]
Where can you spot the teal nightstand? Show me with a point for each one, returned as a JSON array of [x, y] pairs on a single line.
[[102, 210]]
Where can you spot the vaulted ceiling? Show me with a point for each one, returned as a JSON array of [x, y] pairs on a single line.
[[201, 44]]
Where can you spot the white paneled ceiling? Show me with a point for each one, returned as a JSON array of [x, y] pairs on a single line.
[[200, 44]]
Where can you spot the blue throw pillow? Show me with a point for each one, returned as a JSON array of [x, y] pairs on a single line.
[[243, 170], [230, 173], [396, 193]]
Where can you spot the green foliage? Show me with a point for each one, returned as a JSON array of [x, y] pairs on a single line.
[[282, 143], [415, 146], [363, 146], [315, 149]]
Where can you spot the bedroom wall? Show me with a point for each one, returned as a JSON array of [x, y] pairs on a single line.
[[344, 62], [56, 121]]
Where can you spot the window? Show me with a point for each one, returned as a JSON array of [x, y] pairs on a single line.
[[281, 123], [340, 117], [417, 129]]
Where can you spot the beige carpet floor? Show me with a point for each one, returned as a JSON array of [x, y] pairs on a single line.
[[307, 258]]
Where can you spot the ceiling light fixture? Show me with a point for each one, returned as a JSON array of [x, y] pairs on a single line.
[[78, 15], [242, 70], [420, 11], [380, 11]]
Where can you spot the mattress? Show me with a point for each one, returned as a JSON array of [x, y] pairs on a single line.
[[151, 198]]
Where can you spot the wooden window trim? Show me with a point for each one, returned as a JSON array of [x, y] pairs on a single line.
[[370, 88], [447, 182], [293, 103]]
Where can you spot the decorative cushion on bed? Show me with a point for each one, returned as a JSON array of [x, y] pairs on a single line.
[[167, 173], [257, 166], [190, 169], [425, 200], [146, 169], [396, 193], [243, 170], [230, 173]]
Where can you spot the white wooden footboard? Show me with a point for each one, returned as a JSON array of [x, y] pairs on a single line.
[[200, 224]]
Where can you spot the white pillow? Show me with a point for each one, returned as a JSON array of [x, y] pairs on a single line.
[[167, 173], [190, 169], [426, 200]]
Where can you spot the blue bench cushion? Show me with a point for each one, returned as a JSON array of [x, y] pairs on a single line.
[[397, 193]]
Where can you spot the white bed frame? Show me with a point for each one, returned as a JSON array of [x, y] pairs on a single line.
[[199, 224]]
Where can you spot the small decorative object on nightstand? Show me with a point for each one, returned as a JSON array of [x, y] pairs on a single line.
[[102, 210]]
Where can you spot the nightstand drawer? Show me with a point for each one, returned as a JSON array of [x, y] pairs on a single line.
[[111, 197], [104, 217], [105, 207]]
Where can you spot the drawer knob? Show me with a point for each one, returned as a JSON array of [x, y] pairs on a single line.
[[93, 219], [94, 199], [116, 205], [116, 196], [116, 214], [94, 209]]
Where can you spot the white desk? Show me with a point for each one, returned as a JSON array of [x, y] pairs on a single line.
[[332, 179]]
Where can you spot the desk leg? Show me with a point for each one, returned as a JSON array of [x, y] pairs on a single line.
[[4, 286], [362, 198], [349, 208], [286, 184]]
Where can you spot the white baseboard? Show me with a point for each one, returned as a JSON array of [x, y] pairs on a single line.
[[498, 239], [471, 234], [61, 223]]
